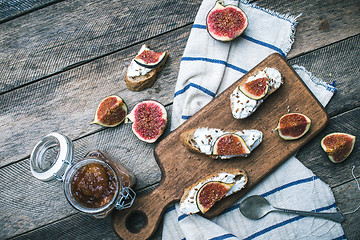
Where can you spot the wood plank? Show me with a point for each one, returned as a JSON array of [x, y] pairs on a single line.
[[36, 45], [10, 9], [70, 99], [321, 22], [49, 45], [26, 199], [79, 227], [347, 199], [313, 157], [338, 62], [269, 155]]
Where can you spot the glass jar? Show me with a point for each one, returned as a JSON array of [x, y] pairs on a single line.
[[95, 185]]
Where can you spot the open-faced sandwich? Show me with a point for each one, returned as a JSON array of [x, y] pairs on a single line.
[[142, 70], [251, 92], [202, 195], [218, 143]]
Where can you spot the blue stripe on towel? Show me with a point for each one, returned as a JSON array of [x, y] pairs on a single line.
[[211, 60], [200, 26], [290, 184], [207, 91], [172, 208], [297, 182], [225, 236], [253, 40], [185, 117], [278, 225], [181, 217], [263, 44], [341, 237]]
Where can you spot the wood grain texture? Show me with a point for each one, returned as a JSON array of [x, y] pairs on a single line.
[[47, 41], [321, 22], [347, 198], [181, 168], [10, 9], [70, 99], [313, 156], [25, 198], [338, 63], [37, 46]]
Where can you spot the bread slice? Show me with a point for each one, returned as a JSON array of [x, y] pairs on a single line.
[[141, 82], [188, 140], [188, 202], [243, 106]]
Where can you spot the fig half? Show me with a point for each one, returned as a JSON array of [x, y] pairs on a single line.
[[338, 146], [111, 112], [225, 23], [293, 126], [149, 120], [149, 58], [210, 193], [255, 88], [230, 144]]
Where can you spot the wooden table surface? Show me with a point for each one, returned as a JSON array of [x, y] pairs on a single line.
[[59, 59]]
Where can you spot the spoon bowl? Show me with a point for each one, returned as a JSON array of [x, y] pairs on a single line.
[[256, 207]]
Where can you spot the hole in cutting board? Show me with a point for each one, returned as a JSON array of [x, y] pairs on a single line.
[[135, 221]]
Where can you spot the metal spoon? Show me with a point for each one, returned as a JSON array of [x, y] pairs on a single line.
[[256, 207]]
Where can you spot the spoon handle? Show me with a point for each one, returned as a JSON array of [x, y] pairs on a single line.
[[334, 216]]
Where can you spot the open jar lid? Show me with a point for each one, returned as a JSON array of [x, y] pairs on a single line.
[[51, 157]]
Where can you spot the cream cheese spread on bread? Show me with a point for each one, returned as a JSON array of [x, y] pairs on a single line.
[[135, 70], [205, 139], [241, 105], [189, 206]]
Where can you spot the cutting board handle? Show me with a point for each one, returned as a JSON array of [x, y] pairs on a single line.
[[141, 220]]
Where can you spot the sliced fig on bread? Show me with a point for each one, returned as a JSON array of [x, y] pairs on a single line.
[[223, 144], [143, 69], [203, 194], [253, 90]]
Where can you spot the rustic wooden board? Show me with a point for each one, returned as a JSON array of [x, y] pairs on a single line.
[[180, 168]]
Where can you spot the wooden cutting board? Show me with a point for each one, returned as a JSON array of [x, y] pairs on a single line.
[[181, 168]]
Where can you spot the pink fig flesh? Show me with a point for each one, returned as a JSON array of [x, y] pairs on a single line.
[[338, 146], [293, 126], [230, 144], [225, 23], [111, 112], [149, 120], [210, 193]]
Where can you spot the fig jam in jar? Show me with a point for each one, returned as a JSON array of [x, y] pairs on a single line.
[[95, 185]]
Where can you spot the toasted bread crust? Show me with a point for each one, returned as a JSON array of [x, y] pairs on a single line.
[[141, 82], [234, 171]]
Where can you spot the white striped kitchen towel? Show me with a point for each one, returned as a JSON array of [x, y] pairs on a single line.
[[207, 68]]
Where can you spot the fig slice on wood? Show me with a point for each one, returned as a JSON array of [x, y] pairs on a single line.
[[149, 58], [111, 112], [338, 146], [293, 126], [210, 193], [225, 23], [230, 144], [255, 88], [149, 120]]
